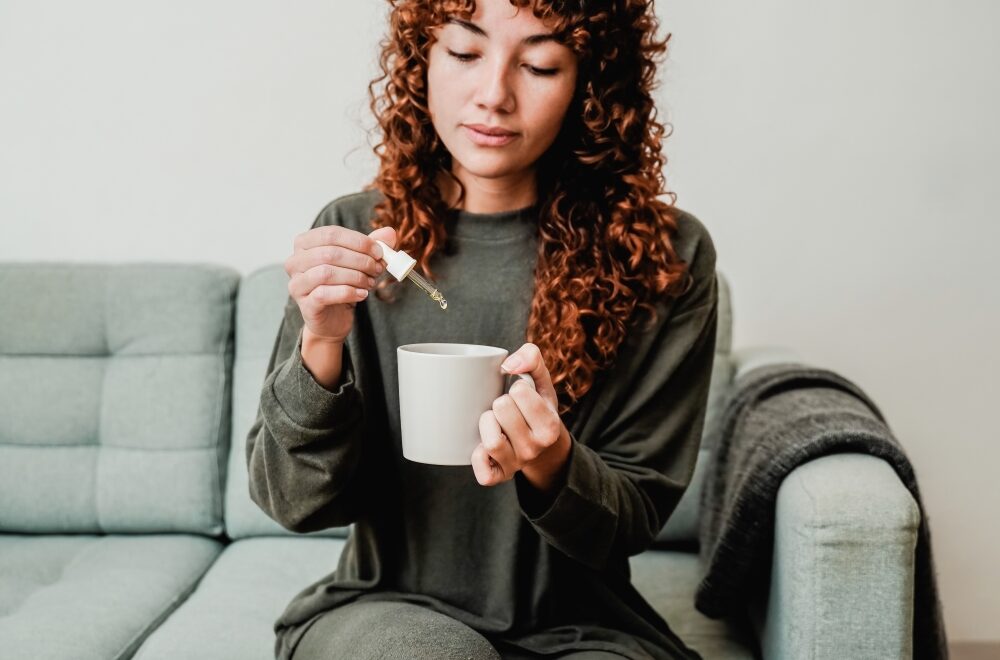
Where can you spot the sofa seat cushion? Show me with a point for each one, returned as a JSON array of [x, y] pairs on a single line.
[[668, 580], [232, 613], [93, 596]]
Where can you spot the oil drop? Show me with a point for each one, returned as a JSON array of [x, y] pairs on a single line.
[[428, 288]]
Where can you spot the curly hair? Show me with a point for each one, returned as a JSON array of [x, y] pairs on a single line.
[[605, 248]]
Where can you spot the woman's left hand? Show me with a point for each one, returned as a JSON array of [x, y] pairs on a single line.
[[523, 430]]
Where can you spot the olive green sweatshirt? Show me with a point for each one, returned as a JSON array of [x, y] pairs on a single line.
[[545, 573]]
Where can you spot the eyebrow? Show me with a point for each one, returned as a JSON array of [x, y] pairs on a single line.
[[530, 40]]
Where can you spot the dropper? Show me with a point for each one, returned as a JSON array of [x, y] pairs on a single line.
[[400, 265]]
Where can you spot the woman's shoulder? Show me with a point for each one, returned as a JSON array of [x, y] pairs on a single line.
[[353, 210], [693, 243]]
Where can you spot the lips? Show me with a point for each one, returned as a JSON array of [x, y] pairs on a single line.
[[491, 130], [481, 138]]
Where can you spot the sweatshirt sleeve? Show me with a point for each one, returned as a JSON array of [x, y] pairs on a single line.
[[626, 477], [304, 449]]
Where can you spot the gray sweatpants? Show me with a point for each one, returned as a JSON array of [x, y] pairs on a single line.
[[373, 630]]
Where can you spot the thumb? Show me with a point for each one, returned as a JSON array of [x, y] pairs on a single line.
[[385, 234]]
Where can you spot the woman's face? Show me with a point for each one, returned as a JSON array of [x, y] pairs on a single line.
[[501, 71]]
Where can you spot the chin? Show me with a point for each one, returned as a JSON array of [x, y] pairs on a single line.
[[489, 166]]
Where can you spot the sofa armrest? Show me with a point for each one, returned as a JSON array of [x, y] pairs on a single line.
[[842, 571]]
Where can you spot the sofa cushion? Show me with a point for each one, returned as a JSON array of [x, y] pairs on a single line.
[[668, 581], [114, 396], [249, 586], [260, 309], [92, 596], [232, 613]]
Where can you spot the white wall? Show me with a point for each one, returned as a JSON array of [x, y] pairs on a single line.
[[840, 154]]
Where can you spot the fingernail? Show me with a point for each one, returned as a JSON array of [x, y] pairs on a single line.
[[371, 281], [511, 363]]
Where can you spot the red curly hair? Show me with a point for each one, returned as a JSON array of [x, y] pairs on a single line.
[[604, 237]]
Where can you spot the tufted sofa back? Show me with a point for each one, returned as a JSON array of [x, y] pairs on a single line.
[[114, 396]]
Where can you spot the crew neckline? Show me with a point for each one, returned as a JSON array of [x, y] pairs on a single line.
[[512, 223]]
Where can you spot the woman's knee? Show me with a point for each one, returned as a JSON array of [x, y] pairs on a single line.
[[368, 630]]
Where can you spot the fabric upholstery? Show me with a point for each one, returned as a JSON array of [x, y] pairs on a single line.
[[118, 414], [92, 597], [232, 613], [667, 580], [841, 582], [254, 579], [114, 396]]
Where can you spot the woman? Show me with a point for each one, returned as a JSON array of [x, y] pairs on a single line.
[[520, 165]]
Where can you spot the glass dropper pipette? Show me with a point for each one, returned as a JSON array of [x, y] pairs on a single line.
[[400, 265]]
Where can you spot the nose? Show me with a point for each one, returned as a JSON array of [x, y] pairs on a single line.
[[495, 93]]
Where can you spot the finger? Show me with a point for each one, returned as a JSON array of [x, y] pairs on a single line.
[[301, 284], [513, 425], [496, 443], [324, 295], [528, 360], [385, 234], [510, 379], [335, 255], [544, 425], [338, 236], [487, 471]]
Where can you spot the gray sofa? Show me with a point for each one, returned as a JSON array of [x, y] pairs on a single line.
[[126, 529]]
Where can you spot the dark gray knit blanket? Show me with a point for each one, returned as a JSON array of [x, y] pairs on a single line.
[[775, 418]]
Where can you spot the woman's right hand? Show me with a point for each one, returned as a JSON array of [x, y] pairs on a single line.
[[330, 270]]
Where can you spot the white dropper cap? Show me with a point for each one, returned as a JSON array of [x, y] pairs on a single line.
[[398, 263]]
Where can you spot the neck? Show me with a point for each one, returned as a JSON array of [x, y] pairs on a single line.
[[489, 195]]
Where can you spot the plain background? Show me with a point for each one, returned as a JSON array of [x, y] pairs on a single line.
[[843, 155]]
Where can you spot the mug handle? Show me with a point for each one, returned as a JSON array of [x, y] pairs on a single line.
[[510, 379]]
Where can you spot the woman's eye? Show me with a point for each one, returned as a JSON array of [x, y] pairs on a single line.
[[542, 72], [468, 57], [462, 57]]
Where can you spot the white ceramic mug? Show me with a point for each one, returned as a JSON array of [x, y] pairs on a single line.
[[443, 391]]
